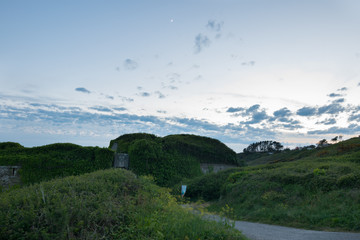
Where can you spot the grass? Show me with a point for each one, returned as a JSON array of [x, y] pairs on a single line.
[[320, 191], [107, 204]]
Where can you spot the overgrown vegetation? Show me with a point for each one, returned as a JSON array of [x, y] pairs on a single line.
[[320, 190], [55, 160], [107, 204], [264, 146], [172, 158]]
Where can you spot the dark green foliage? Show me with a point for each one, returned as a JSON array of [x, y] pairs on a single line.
[[56, 160], [172, 158], [168, 168], [207, 150], [316, 192], [108, 204], [9, 145], [264, 146], [207, 187], [125, 141]]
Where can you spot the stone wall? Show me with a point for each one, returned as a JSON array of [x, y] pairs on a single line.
[[9, 176], [213, 167]]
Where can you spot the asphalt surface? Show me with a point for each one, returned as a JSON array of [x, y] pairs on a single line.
[[259, 231]]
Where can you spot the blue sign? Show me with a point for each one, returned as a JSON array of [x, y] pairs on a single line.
[[183, 190]]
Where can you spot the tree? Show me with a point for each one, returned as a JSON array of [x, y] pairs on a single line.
[[334, 139], [322, 143], [264, 146]]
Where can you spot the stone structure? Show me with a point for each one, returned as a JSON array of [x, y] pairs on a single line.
[[214, 167], [9, 176], [114, 147], [121, 160]]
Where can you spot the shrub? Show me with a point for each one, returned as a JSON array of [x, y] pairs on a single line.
[[108, 204]]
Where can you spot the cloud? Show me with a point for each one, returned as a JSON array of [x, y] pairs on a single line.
[[334, 95], [359, 84], [130, 64], [253, 108], [201, 41], [283, 112], [340, 100], [343, 89], [120, 109], [252, 114], [334, 108], [126, 99], [328, 121], [101, 109], [250, 63], [160, 95], [145, 94], [350, 130], [354, 117], [83, 90], [171, 87], [233, 110], [174, 77], [214, 25], [306, 111], [257, 117], [289, 126]]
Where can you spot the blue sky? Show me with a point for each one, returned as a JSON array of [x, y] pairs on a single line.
[[239, 71]]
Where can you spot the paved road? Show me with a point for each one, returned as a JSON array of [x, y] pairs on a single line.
[[258, 231]]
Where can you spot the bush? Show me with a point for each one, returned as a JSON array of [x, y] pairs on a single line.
[[109, 204]]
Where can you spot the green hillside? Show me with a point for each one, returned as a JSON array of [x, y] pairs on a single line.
[[316, 189], [54, 160], [107, 204], [172, 158]]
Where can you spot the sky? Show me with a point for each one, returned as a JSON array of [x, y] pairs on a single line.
[[240, 71]]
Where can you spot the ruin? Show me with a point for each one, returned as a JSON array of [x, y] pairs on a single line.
[[9, 176], [121, 160]]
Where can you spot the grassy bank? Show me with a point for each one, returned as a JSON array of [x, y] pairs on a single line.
[[319, 191], [107, 204]]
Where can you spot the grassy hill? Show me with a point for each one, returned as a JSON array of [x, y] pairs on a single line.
[[54, 160], [172, 158], [107, 204], [315, 189]]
